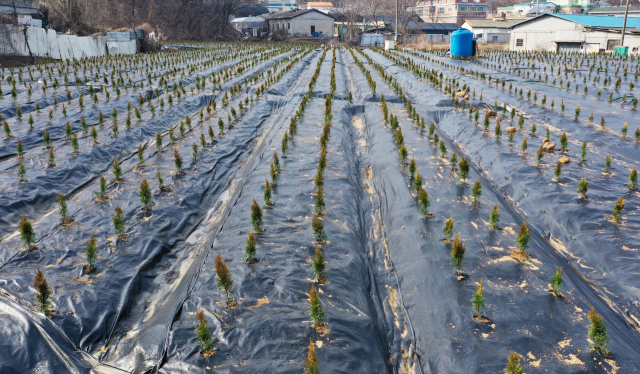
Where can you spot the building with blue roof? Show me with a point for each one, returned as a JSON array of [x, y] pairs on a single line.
[[574, 33]]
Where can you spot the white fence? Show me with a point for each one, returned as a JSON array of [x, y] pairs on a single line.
[[47, 43]]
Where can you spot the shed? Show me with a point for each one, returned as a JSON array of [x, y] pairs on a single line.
[[488, 31], [301, 22], [432, 32], [253, 26], [574, 33]]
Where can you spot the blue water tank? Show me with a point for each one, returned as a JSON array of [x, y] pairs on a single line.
[[462, 43]]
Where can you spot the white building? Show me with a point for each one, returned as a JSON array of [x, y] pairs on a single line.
[[574, 33], [301, 22], [252, 26], [323, 6], [488, 31], [281, 5]]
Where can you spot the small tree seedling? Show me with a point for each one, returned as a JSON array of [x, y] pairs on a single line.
[[145, 194], [523, 238], [564, 142], [267, 193], [117, 171], [315, 307], [52, 157], [598, 333], [118, 222], [558, 171], [177, 160], [583, 187], [22, 172], [463, 167], [458, 250], [478, 301], [633, 178], [205, 338], [319, 265], [495, 217], [318, 228], [617, 210], [448, 228], [311, 361], [476, 192], [43, 293], [513, 365], [27, 234], [62, 203], [320, 203], [250, 248], [423, 201], [256, 216], [225, 283], [607, 164], [556, 282]]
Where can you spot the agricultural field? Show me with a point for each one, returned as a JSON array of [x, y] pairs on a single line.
[[243, 208]]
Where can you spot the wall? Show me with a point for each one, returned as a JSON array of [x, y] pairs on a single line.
[[302, 24], [46, 43], [541, 35]]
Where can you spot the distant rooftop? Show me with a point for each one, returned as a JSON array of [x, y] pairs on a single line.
[[488, 23], [320, 4], [591, 21], [292, 14]]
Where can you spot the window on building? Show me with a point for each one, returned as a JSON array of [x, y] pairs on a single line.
[[494, 38], [479, 36], [519, 42], [612, 43], [288, 25], [441, 10], [451, 9], [463, 7]]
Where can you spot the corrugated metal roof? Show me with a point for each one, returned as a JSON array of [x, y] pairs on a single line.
[[589, 21], [292, 14], [327, 4], [487, 23]]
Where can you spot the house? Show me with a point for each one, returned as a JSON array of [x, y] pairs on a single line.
[[430, 32], [24, 12], [488, 31], [451, 11], [573, 6], [280, 5], [252, 26], [634, 11], [574, 33], [323, 6], [301, 22]]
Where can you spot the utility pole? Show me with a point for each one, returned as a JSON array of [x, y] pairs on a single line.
[[395, 39], [624, 24], [538, 7]]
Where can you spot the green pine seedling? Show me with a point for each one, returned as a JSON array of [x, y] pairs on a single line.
[[495, 217], [315, 307], [94, 134], [91, 255], [320, 204], [423, 201], [101, 193], [225, 283], [448, 228], [117, 171], [623, 131], [513, 365], [43, 293], [617, 210], [564, 141], [558, 171], [478, 300], [417, 181], [194, 153], [52, 157], [22, 172], [177, 161], [633, 178], [523, 238], [413, 167], [583, 187], [458, 250], [27, 234], [145, 195], [556, 282], [250, 248], [404, 153], [62, 203], [453, 160], [46, 138], [267, 193], [256, 216], [19, 149], [463, 166], [607, 164], [476, 192], [118, 222], [598, 333], [205, 338], [318, 228], [602, 122], [160, 181]]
